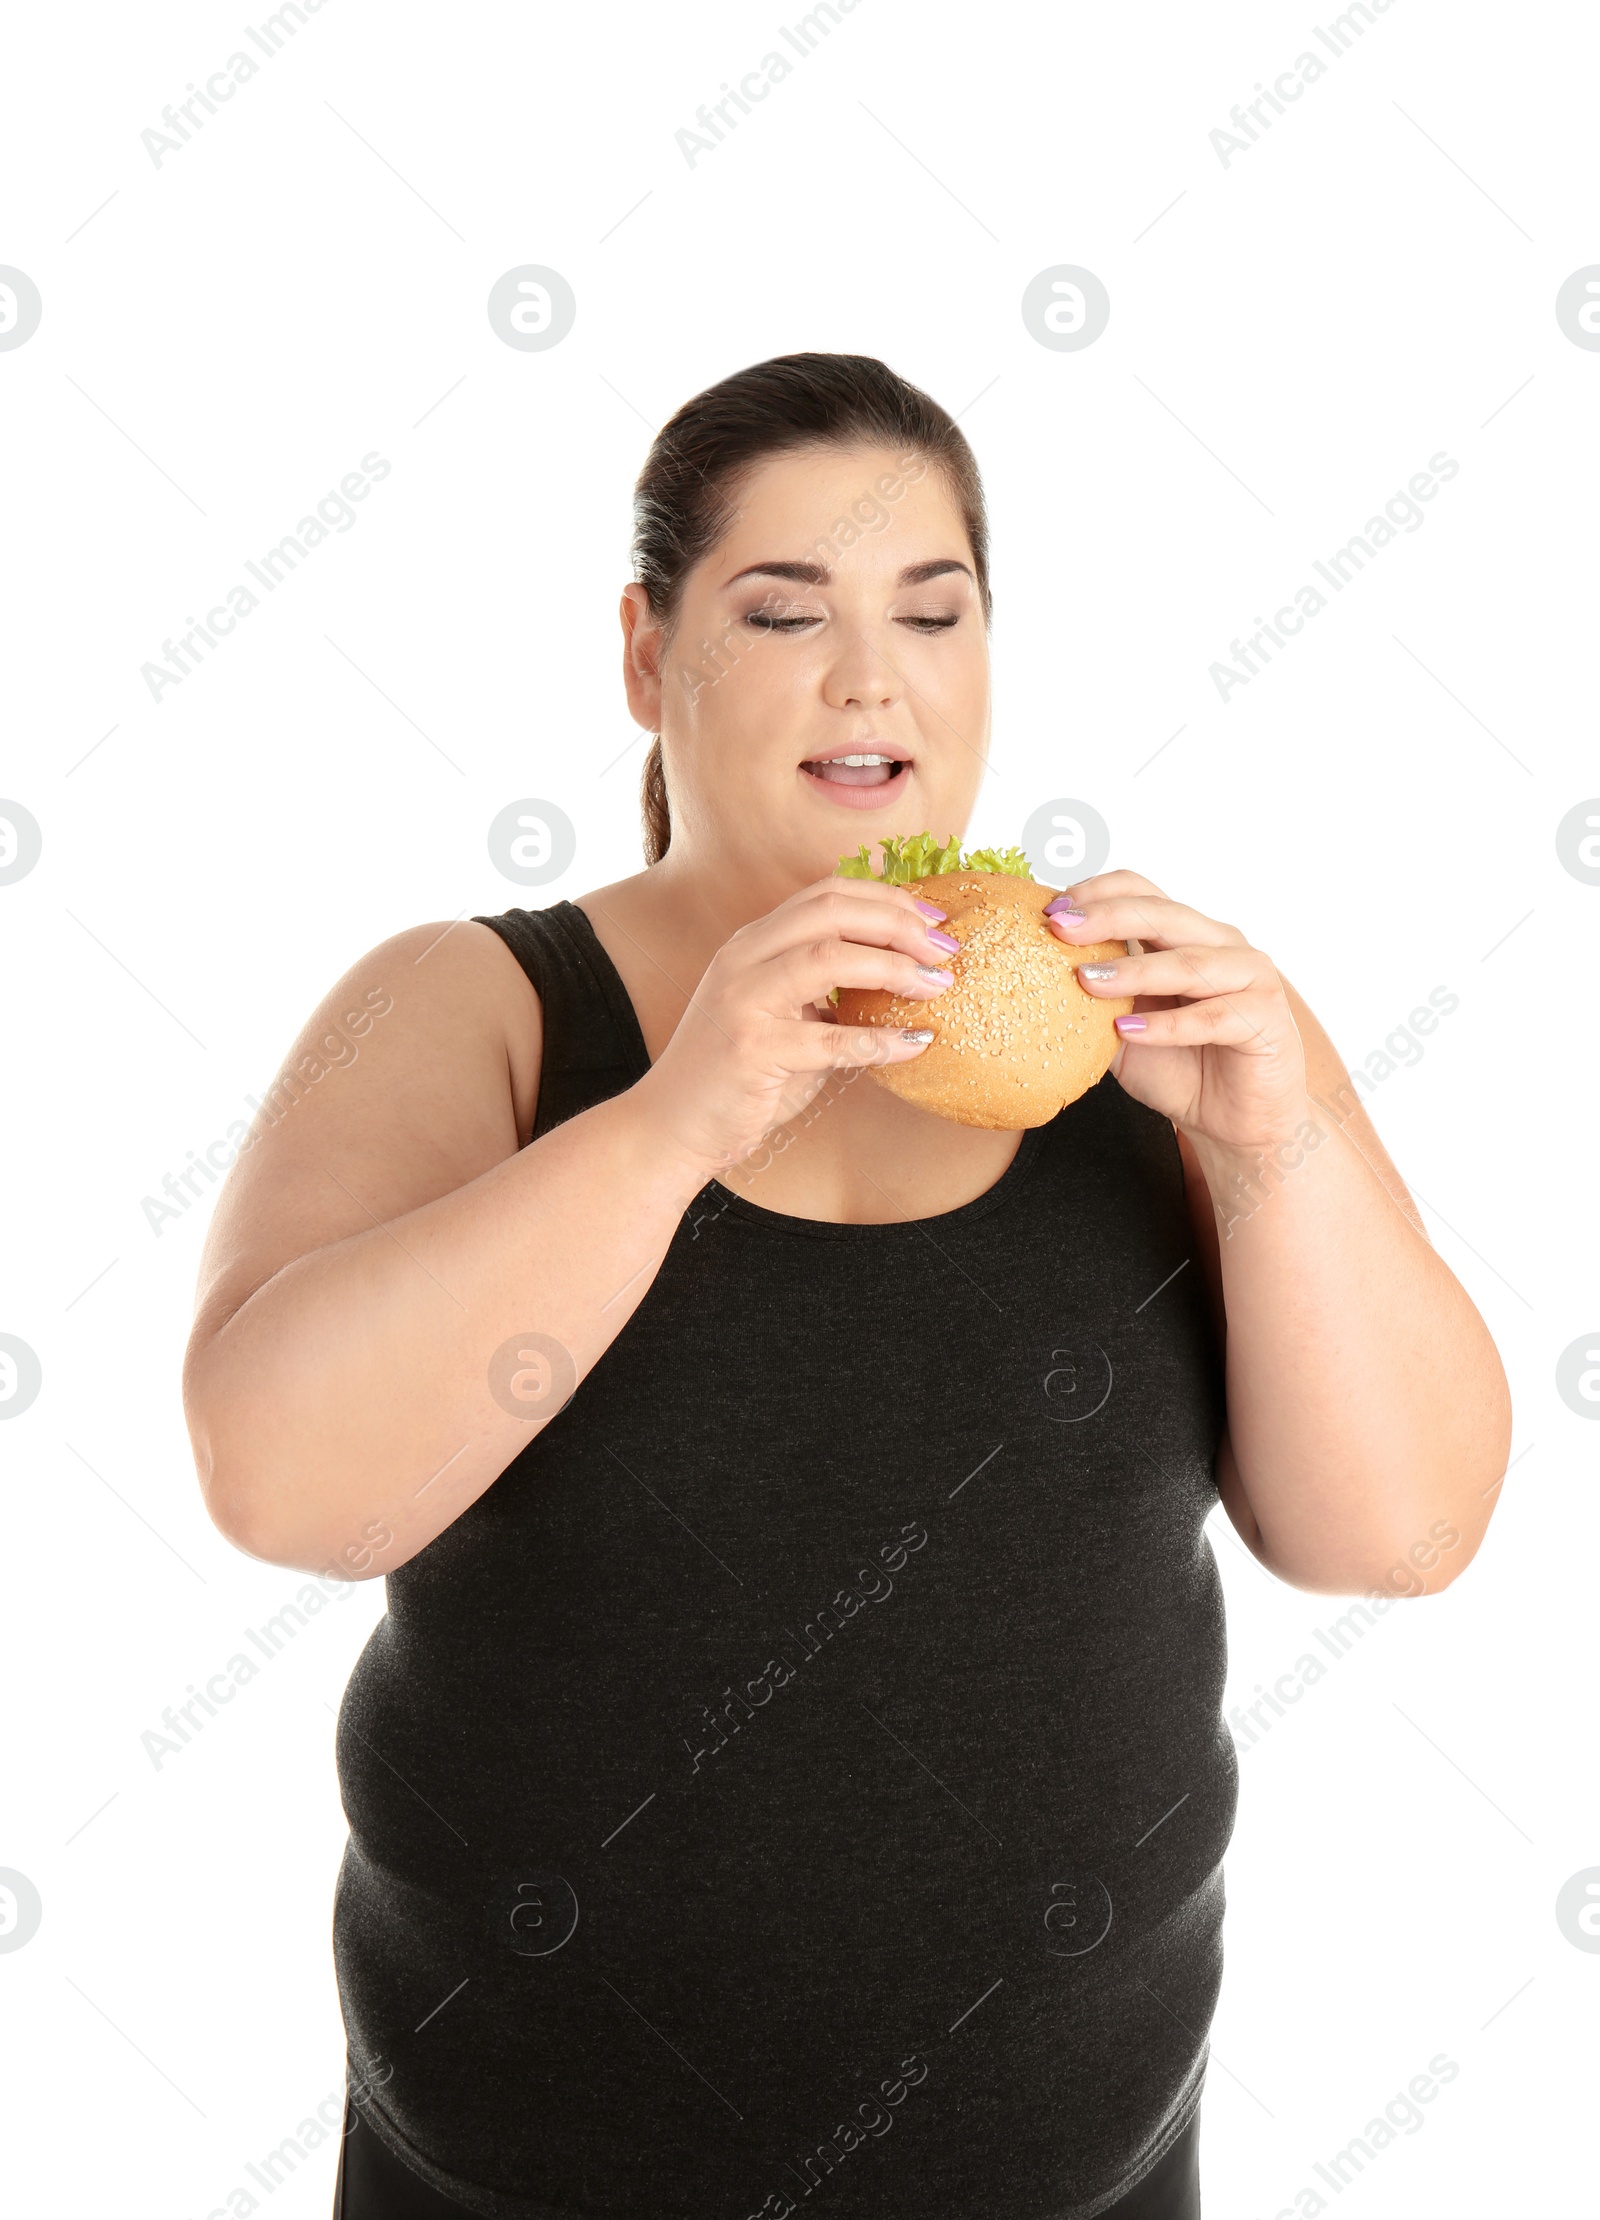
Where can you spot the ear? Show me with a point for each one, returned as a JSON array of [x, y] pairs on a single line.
[[641, 657]]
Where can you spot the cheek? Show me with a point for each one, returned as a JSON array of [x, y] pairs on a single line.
[[765, 680], [951, 710], [956, 679], [746, 722], [714, 667]]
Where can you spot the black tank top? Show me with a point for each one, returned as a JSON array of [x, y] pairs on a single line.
[[802, 1772]]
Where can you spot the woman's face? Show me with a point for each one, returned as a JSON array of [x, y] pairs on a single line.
[[839, 617]]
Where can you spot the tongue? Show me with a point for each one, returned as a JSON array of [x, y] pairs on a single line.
[[853, 774]]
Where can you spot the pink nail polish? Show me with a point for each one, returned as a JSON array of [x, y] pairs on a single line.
[[928, 909], [943, 940], [1131, 1025]]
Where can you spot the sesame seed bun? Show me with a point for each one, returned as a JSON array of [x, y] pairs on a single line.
[[1016, 1038]]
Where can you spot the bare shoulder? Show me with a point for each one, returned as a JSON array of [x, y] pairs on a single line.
[[417, 1072]]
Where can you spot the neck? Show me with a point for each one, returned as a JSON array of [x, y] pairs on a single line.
[[663, 926], [697, 905]]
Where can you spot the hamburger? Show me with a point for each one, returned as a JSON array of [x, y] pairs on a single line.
[[1015, 1037]]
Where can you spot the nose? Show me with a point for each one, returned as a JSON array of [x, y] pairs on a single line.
[[862, 676]]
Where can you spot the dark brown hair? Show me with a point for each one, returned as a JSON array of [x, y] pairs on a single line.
[[687, 492]]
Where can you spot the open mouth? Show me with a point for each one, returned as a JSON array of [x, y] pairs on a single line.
[[861, 780]]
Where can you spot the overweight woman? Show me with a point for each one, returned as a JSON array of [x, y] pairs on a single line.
[[791, 1764]]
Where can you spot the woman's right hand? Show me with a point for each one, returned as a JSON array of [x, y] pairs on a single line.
[[752, 1048]]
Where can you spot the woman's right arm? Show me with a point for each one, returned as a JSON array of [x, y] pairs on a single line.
[[385, 1236]]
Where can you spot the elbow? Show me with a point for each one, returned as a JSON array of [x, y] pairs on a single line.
[[235, 1508], [243, 1503], [1427, 1564], [214, 1466], [245, 1531], [216, 1463], [1424, 1565], [250, 1516]]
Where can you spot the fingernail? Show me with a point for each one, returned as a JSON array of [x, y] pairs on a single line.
[[1062, 906], [927, 908], [935, 971], [918, 1033], [1097, 971], [943, 940], [1131, 1025]]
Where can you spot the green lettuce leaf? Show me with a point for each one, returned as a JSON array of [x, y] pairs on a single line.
[[1011, 862], [920, 856]]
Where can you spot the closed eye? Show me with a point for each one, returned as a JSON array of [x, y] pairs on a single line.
[[763, 621]]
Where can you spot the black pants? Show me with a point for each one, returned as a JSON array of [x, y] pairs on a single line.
[[374, 2185]]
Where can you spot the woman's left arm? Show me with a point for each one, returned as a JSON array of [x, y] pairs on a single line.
[[1369, 1419]]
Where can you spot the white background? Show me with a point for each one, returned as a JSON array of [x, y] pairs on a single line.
[[1292, 336]]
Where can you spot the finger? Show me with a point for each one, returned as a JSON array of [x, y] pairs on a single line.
[[807, 973], [1189, 971], [866, 890], [920, 898], [1258, 1022], [1106, 883], [921, 903], [799, 1045], [883, 917], [1152, 918]]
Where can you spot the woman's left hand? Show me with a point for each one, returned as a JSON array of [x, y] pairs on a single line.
[[1212, 1043]]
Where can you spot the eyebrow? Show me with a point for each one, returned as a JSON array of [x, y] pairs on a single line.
[[818, 574]]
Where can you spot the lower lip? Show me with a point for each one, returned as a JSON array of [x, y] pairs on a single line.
[[859, 797]]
